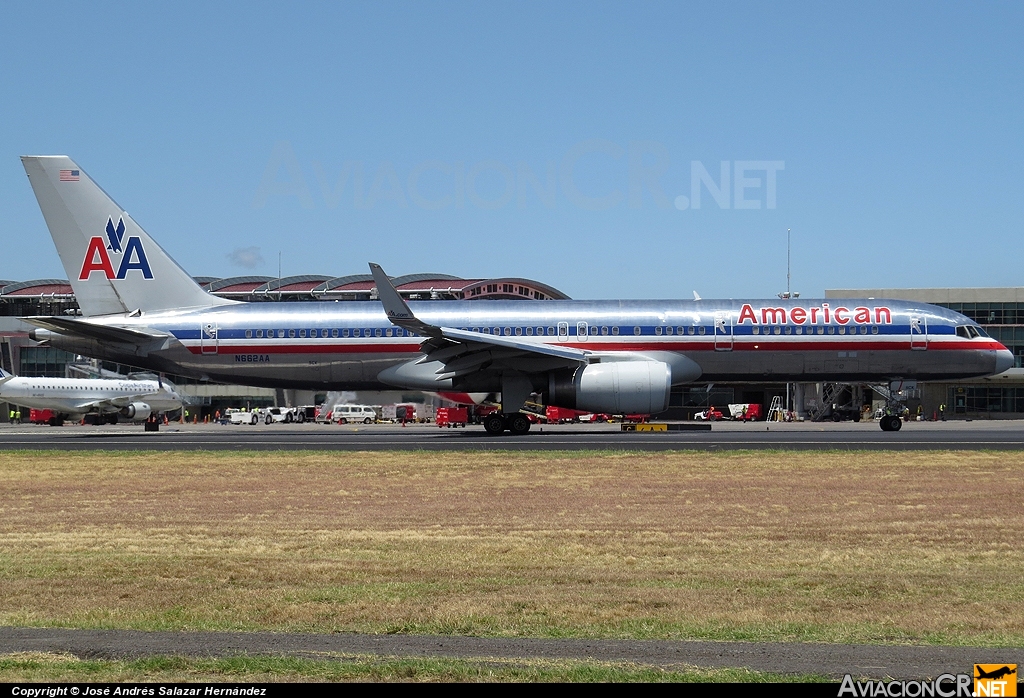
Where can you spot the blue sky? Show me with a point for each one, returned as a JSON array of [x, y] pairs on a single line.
[[557, 141]]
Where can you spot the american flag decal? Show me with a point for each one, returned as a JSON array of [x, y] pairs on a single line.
[[69, 175]]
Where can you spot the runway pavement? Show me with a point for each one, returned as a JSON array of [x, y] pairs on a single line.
[[963, 435], [833, 660]]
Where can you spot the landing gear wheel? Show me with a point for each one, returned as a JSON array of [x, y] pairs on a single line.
[[494, 424], [890, 423], [518, 424]]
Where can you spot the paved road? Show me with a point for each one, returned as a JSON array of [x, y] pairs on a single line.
[[788, 658], [1000, 435]]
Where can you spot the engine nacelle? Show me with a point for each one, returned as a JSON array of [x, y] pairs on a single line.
[[616, 387], [137, 410]]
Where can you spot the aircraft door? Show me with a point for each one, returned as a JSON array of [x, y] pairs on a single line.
[[563, 332], [723, 331], [581, 332], [208, 338], [918, 333]]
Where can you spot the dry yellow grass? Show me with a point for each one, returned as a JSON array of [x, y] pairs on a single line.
[[869, 547]]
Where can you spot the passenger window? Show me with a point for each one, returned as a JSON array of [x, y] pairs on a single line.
[[519, 331], [842, 330], [388, 332], [604, 330], [323, 333], [658, 330], [529, 331], [777, 330], [799, 330], [789, 330], [700, 330], [399, 332], [615, 330], [593, 330], [756, 330], [821, 330], [334, 332], [248, 334], [863, 329], [508, 331], [377, 332], [302, 333], [259, 334], [280, 334], [831, 330], [874, 329], [551, 330], [636, 330], [668, 330], [688, 331]]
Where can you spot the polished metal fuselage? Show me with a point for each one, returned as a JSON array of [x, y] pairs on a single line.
[[346, 345]]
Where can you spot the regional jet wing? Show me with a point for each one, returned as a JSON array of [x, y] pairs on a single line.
[[459, 342]]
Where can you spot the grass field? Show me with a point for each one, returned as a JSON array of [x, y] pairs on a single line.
[[43, 667], [845, 547]]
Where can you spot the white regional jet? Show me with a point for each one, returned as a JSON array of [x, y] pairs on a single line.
[[140, 308], [74, 397]]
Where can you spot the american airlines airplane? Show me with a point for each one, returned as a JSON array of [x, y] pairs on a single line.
[[74, 397], [140, 308]]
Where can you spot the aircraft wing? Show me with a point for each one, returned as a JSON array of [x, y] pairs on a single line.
[[462, 351], [106, 333]]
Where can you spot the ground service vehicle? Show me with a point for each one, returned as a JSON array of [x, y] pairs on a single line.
[[242, 416], [451, 417], [611, 356], [355, 414]]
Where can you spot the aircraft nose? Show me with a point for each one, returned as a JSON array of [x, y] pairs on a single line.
[[1004, 360]]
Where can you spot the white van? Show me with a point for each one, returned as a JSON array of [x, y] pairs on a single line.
[[346, 414]]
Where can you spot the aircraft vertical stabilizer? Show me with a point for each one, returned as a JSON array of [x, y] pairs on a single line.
[[112, 264]]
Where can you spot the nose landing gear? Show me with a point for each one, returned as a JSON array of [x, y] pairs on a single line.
[[890, 422]]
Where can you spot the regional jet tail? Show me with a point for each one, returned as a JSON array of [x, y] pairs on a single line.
[[113, 265]]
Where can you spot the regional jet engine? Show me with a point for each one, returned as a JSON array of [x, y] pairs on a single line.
[[137, 410], [617, 387]]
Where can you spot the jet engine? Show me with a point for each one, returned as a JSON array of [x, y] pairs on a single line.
[[617, 387], [137, 410]]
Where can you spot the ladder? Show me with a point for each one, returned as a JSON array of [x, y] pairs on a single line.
[[828, 393], [775, 412]]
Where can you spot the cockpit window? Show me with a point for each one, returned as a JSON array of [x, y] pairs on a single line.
[[976, 331], [962, 331]]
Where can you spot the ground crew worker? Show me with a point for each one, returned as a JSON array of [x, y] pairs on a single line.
[[942, 412], [12, 417], [17, 415]]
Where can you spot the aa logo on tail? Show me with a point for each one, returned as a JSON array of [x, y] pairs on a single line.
[[133, 256]]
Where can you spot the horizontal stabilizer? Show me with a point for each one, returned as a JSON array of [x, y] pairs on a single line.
[[106, 333]]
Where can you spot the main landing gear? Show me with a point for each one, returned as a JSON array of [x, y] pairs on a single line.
[[495, 423], [890, 422]]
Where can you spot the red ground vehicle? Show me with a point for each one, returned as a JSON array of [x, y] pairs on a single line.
[[561, 415], [451, 417], [40, 416], [712, 414], [752, 414]]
